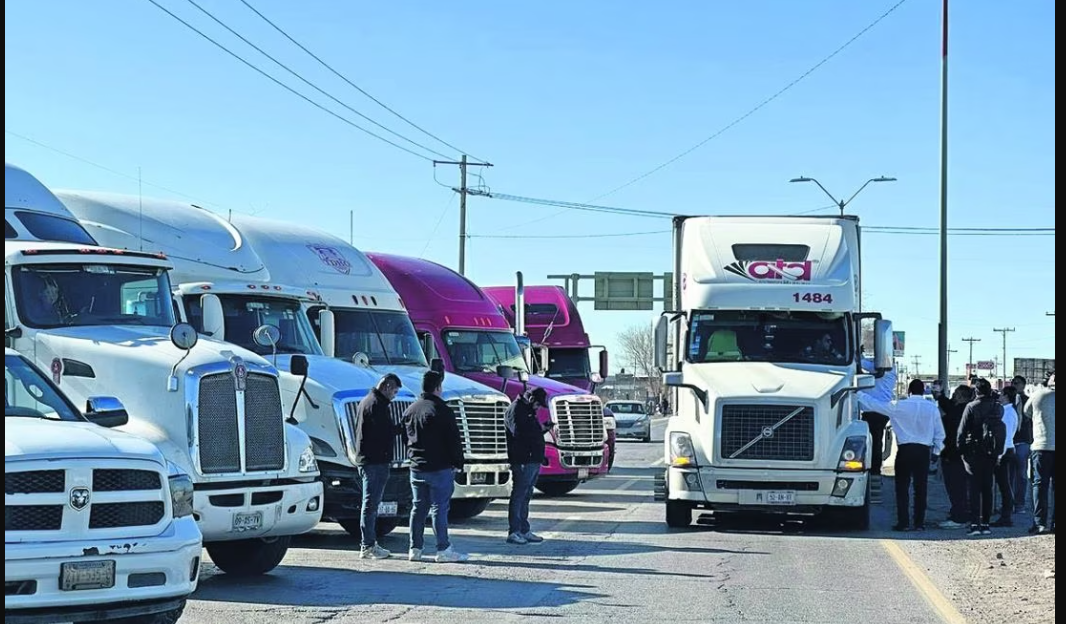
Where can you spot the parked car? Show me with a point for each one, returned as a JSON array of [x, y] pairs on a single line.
[[632, 419], [98, 526]]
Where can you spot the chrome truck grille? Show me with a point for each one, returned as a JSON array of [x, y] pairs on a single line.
[[482, 426], [580, 422], [396, 410], [767, 432], [220, 428], [55, 501]]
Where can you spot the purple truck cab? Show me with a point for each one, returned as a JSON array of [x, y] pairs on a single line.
[[553, 323], [462, 329]]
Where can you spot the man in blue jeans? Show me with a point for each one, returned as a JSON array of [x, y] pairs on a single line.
[[435, 448], [374, 436], [525, 451]]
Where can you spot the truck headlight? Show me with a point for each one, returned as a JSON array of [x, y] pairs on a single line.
[[181, 495], [609, 423], [853, 455], [682, 452], [308, 463]]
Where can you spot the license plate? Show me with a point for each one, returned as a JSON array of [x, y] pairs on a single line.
[[780, 498], [582, 473], [247, 521], [87, 575], [479, 478], [388, 509]]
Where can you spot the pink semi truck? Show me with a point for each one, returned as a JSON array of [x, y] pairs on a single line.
[[462, 328]]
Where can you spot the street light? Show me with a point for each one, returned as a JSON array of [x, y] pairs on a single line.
[[841, 204]]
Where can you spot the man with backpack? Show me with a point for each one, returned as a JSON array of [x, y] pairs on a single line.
[[981, 438]]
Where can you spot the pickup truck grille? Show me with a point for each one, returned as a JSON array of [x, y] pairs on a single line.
[[482, 426], [756, 432], [54, 500], [396, 410], [580, 423], [218, 426]]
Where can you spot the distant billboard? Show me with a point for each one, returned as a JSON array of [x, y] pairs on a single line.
[[897, 343]]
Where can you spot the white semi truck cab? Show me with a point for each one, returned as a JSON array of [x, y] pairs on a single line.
[[97, 523], [101, 321], [767, 357]]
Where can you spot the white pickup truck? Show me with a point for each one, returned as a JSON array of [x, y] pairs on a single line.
[[98, 526]]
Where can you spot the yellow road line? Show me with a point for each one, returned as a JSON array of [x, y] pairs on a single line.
[[921, 581]]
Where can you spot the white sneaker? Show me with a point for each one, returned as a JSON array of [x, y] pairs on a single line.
[[951, 525], [533, 538], [415, 554], [450, 555], [374, 552], [517, 538]]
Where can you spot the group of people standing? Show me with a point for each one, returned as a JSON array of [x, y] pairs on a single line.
[[435, 450], [985, 440]]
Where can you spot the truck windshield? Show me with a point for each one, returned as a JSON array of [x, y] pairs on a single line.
[[482, 351], [28, 394], [762, 336], [569, 363], [64, 295], [246, 313], [387, 338]]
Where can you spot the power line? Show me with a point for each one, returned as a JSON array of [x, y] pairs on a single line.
[[447, 207], [352, 84], [285, 86], [757, 108], [308, 82]]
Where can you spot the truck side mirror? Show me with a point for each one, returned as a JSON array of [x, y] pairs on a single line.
[[603, 364], [298, 365], [505, 372], [882, 346], [542, 360], [437, 365], [106, 412], [214, 319], [660, 333], [327, 332]]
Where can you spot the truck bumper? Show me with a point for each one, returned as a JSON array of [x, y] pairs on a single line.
[[573, 465], [788, 492], [152, 575], [344, 493], [484, 481], [263, 511]]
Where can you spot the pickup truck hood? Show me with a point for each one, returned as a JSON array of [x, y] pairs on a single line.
[[35, 438]]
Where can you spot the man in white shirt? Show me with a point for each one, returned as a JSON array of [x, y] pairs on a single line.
[[1007, 461], [919, 436]]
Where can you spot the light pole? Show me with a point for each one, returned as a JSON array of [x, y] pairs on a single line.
[[842, 203]]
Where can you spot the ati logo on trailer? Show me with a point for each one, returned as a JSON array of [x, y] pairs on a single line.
[[332, 257], [772, 270]]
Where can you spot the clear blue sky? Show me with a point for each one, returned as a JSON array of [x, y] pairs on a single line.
[[570, 100]]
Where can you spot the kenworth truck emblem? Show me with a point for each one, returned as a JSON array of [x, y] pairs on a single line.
[[332, 257], [79, 498], [757, 270], [240, 374]]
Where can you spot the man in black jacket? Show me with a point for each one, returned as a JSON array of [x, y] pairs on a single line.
[[435, 448], [374, 436], [525, 451], [981, 440]]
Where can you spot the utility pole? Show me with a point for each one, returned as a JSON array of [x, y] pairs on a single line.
[[950, 351], [916, 358], [463, 192], [969, 363], [943, 326], [1004, 331]]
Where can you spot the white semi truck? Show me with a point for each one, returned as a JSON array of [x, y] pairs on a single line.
[[97, 523], [101, 321], [233, 275], [769, 357]]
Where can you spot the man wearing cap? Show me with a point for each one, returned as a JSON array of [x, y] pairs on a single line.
[[525, 451], [375, 433]]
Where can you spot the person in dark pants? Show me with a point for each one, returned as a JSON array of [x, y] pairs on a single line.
[[981, 439], [375, 433], [920, 437], [525, 451], [1041, 409], [1023, 443], [956, 481], [435, 448], [1005, 467]]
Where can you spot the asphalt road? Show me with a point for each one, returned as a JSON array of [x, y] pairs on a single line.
[[608, 556]]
